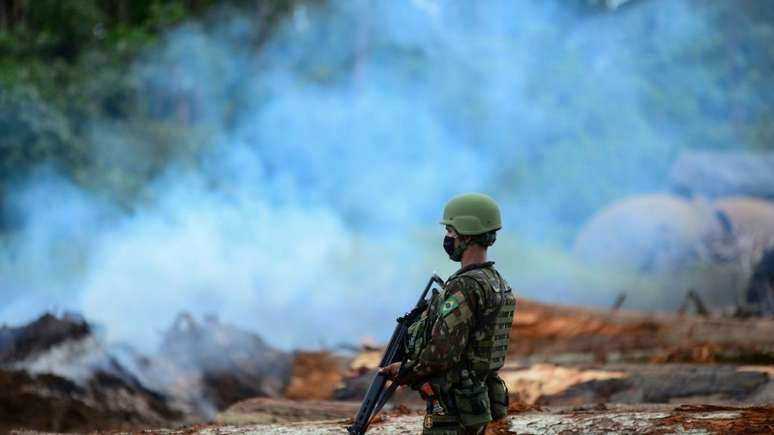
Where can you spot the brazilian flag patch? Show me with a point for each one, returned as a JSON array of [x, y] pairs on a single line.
[[448, 306]]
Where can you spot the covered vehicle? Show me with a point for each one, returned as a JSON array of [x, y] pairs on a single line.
[[677, 244], [713, 234]]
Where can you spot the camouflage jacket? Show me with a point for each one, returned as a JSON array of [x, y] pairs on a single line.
[[474, 310]]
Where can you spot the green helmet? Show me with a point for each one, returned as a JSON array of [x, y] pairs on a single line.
[[471, 214]]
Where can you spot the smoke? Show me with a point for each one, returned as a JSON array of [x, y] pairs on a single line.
[[308, 210], [42, 267]]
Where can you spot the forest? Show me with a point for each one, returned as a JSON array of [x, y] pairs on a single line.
[[65, 65]]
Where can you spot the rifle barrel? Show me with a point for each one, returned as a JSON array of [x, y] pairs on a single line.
[[393, 353]]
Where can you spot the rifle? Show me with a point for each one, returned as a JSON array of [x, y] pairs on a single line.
[[376, 396]]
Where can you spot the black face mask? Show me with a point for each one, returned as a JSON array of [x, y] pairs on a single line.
[[448, 246]]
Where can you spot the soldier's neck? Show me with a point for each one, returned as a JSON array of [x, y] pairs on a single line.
[[475, 254]]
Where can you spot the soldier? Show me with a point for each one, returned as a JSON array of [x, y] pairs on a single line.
[[459, 343]]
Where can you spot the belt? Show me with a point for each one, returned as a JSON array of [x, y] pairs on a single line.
[[439, 420]]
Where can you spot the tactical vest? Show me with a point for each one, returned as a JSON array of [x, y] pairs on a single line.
[[489, 338]]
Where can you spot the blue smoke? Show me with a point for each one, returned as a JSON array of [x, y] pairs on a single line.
[[324, 159]]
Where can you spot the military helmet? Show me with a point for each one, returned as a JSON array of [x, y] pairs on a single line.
[[471, 214]]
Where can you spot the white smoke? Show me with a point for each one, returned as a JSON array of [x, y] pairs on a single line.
[[309, 214]]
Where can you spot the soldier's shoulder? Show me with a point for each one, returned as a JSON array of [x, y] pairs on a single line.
[[468, 285], [482, 279], [477, 272], [472, 270], [501, 277], [464, 282]]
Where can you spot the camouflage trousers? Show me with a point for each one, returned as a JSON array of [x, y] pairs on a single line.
[[435, 424]]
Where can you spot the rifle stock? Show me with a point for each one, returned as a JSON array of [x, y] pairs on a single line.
[[393, 353]]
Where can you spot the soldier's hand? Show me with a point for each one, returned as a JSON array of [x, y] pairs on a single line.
[[390, 371]]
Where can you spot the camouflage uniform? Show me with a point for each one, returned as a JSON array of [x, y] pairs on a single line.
[[456, 348]]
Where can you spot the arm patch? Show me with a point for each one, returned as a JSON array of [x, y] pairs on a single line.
[[450, 304]]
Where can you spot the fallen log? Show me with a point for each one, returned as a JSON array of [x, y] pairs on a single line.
[[548, 384], [552, 333], [266, 410]]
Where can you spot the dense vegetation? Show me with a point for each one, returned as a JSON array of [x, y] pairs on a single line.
[[66, 64]]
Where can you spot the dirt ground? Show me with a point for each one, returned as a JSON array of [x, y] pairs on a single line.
[[570, 371], [599, 419]]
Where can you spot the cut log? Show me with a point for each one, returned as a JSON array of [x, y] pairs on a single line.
[[552, 333], [265, 410], [548, 384]]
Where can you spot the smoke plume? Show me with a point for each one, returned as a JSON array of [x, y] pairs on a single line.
[[307, 207]]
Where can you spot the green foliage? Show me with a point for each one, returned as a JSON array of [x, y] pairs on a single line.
[[65, 67], [33, 132]]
